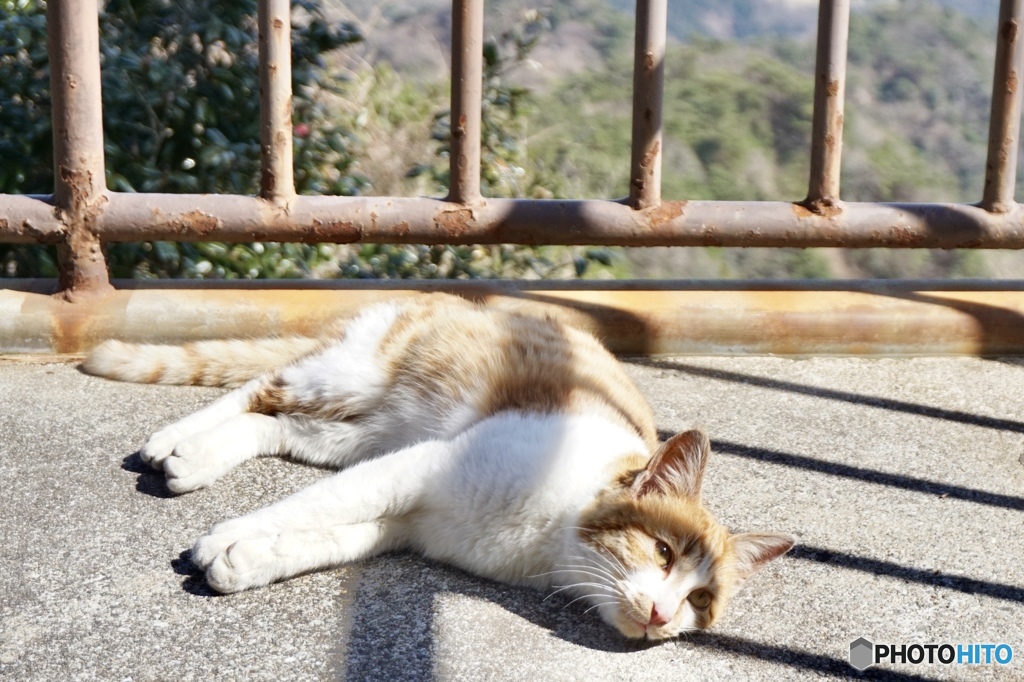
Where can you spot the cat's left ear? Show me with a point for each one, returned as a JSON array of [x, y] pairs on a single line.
[[677, 467], [754, 550]]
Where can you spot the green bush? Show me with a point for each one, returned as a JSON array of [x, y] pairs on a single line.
[[181, 114]]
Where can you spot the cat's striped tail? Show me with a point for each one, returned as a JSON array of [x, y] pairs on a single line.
[[203, 363]]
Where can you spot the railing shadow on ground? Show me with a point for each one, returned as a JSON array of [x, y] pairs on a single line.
[[911, 483], [796, 658], [891, 569], [831, 394]]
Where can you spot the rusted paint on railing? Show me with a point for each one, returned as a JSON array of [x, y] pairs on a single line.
[[79, 181], [829, 103], [1004, 125], [734, 318], [30, 219], [648, 96], [131, 217], [277, 182], [467, 93]]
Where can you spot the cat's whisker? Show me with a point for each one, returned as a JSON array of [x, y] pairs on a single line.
[[601, 579], [597, 606], [590, 570], [562, 588], [615, 594], [589, 566], [588, 560], [622, 570], [579, 571], [610, 598], [573, 567], [610, 557]]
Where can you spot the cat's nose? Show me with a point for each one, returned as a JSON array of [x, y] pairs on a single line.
[[657, 618]]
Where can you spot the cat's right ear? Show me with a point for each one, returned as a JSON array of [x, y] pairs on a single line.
[[677, 467]]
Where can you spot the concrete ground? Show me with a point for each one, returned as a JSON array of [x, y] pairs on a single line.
[[902, 478]]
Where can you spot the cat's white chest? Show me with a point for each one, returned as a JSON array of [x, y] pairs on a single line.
[[515, 484]]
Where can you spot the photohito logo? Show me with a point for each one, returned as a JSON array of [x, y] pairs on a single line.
[[864, 654]]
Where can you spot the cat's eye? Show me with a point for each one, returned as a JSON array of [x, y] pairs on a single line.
[[701, 599], [662, 554]]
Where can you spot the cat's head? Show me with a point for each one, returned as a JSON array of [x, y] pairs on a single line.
[[654, 561]]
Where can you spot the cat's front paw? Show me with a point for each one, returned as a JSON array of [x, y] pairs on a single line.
[[160, 446], [243, 565], [192, 465], [216, 542]]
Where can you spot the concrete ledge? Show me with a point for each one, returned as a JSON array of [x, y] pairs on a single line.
[[890, 318]]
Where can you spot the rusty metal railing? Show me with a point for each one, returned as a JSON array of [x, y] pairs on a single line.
[[829, 105], [82, 214], [79, 180], [1004, 126]]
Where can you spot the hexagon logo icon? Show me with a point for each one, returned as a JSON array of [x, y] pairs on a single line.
[[862, 654]]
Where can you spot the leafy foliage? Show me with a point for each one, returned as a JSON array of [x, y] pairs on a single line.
[[24, 98], [920, 76], [506, 108], [181, 114], [736, 124]]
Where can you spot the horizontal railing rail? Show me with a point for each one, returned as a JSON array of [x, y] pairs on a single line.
[[400, 220], [891, 318]]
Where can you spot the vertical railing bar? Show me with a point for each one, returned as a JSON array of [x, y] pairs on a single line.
[[1004, 124], [829, 102], [277, 180], [648, 96], [73, 45], [467, 95]]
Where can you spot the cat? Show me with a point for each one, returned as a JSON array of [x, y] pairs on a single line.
[[509, 444]]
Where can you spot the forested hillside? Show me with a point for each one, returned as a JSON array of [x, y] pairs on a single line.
[[738, 110]]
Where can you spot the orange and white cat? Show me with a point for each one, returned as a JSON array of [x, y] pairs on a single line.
[[510, 445]]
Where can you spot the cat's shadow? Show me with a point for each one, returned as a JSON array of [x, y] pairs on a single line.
[[440, 596], [195, 581], [394, 614], [149, 481]]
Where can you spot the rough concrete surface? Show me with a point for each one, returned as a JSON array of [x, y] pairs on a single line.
[[902, 478]]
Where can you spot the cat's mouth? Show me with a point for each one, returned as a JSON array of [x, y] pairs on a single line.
[[638, 624], [633, 628]]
